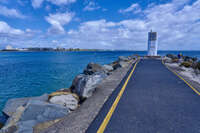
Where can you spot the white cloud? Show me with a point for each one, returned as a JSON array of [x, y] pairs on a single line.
[[134, 24], [134, 8], [58, 20], [180, 2], [31, 33], [61, 2], [17, 37], [91, 6], [54, 41], [178, 27], [107, 35], [96, 25], [10, 12], [38, 3], [177, 24], [6, 29]]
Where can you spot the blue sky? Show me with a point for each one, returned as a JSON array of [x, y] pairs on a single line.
[[102, 24]]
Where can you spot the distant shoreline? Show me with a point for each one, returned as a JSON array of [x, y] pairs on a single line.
[[94, 50]]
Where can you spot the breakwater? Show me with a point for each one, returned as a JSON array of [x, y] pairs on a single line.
[[45, 72], [26, 113]]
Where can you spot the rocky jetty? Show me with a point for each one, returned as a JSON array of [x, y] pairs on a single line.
[[26, 114], [187, 66]]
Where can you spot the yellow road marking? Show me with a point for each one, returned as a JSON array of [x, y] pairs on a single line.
[[114, 105], [195, 90]]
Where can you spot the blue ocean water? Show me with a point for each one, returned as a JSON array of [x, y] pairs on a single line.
[[25, 74]]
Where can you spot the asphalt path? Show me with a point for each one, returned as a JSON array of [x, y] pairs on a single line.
[[155, 101]]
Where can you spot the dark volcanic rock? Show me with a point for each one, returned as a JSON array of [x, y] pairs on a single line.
[[172, 56], [197, 71], [93, 68], [120, 64], [3, 118], [189, 59], [123, 58], [1, 125]]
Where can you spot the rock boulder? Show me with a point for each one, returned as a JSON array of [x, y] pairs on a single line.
[[41, 126], [14, 118], [172, 56], [14, 103], [120, 64], [93, 68], [123, 58], [70, 101], [197, 71], [26, 126], [43, 111], [108, 68], [1, 125], [35, 112], [85, 85]]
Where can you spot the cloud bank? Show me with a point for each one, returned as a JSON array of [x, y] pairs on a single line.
[[10, 12], [177, 24], [57, 22], [38, 3]]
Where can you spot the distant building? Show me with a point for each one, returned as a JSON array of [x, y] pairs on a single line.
[[8, 47], [152, 43], [60, 49]]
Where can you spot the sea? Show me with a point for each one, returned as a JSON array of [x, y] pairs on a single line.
[[28, 74]]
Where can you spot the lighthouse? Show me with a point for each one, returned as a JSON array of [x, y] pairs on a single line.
[[152, 43]]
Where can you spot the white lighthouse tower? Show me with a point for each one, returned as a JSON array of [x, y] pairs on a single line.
[[152, 43]]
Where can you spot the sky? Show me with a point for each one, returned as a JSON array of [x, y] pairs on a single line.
[[100, 24]]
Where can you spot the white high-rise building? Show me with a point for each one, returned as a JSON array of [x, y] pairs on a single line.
[[152, 43]]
